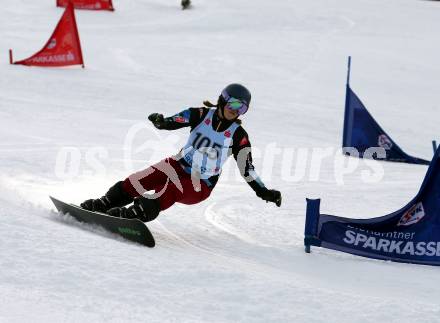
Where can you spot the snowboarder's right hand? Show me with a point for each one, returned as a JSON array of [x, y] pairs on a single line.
[[273, 196], [157, 120]]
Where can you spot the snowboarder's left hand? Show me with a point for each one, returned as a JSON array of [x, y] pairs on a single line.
[[157, 120], [273, 196]]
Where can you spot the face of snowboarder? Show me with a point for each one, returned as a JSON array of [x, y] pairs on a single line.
[[230, 114]]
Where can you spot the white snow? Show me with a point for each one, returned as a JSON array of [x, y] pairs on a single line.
[[232, 258]]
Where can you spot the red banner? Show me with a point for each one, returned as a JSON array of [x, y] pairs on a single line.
[[88, 4], [63, 48]]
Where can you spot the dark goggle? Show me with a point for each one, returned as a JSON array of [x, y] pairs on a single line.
[[234, 104]]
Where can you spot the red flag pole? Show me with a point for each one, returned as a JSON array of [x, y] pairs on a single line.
[[76, 32], [10, 57]]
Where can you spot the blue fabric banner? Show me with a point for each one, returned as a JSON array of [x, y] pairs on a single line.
[[411, 234], [361, 131]]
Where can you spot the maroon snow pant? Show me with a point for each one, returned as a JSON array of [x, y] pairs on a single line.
[[164, 178]]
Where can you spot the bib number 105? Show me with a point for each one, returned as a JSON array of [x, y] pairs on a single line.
[[206, 146]]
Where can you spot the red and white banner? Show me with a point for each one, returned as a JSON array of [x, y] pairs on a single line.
[[62, 49], [88, 4]]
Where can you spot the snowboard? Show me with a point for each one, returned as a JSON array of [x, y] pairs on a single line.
[[130, 229]]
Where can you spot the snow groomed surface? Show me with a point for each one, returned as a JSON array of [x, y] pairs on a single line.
[[74, 132]]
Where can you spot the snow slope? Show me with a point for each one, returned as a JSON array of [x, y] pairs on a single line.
[[232, 258]]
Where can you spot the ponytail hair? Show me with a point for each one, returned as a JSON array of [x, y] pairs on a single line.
[[208, 104]]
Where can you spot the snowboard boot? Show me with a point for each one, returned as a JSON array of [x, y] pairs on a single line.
[[115, 197], [143, 209]]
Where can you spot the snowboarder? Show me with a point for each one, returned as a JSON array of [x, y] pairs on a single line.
[[190, 176]]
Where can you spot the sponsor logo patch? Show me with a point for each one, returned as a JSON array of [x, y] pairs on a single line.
[[180, 119], [52, 44], [384, 142], [413, 215], [244, 141]]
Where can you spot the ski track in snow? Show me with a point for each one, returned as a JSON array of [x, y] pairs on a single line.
[[212, 217], [232, 258]]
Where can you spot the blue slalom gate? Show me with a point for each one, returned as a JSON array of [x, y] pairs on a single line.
[[362, 132], [411, 234]]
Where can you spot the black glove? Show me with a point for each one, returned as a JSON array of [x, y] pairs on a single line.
[[273, 196], [157, 120]]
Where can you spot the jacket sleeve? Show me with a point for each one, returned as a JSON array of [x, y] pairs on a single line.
[[190, 117], [242, 152]]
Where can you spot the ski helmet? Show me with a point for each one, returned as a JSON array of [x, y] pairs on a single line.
[[237, 96]]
